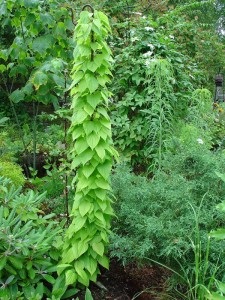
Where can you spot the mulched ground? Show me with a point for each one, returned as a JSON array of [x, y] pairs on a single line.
[[129, 283]]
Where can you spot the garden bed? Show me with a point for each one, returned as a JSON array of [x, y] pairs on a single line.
[[130, 282]]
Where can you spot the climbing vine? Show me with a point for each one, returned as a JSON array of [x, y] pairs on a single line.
[[92, 152]]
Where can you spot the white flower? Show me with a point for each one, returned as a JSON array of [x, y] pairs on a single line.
[[151, 46], [144, 17], [137, 13], [171, 36], [200, 141], [135, 38], [147, 54], [149, 28]]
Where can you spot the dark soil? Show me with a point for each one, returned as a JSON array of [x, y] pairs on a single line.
[[127, 283]]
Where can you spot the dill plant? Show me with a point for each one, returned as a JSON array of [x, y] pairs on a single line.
[[156, 218]]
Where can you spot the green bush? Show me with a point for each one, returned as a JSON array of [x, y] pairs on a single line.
[[29, 247], [152, 91], [13, 172], [155, 218]]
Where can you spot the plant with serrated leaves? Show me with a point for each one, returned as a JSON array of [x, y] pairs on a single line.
[[29, 245], [86, 239], [35, 49]]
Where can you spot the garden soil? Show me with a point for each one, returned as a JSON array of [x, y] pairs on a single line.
[[128, 283]]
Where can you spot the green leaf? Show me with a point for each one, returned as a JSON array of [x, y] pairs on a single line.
[[102, 183], [17, 96], [98, 248], [69, 293], [100, 193], [87, 170], [42, 43], [89, 127], [31, 3], [91, 265], [3, 120], [79, 267], [218, 234], [94, 99], [39, 78], [9, 279], [28, 88], [84, 207], [221, 286], [69, 256], [71, 277], [81, 248], [79, 223], [79, 117], [3, 9], [88, 295], [62, 267], [2, 68], [10, 269], [49, 278], [221, 206], [92, 82], [89, 109], [83, 183], [93, 65], [40, 289], [215, 296], [59, 287], [2, 262], [85, 17], [77, 132], [76, 78], [100, 151], [105, 169], [83, 158], [80, 145], [59, 80], [99, 215], [31, 273], [16, 262], [93, 140], [104, 261]]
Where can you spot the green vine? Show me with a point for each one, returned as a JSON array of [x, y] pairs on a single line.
[[92, 153]]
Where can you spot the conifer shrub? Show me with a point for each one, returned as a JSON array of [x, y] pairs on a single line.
[[13, 172]]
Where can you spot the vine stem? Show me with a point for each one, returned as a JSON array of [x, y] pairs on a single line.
[[65, 142]]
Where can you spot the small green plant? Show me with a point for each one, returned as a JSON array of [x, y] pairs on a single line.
[[198, 280], [218, 234], [161, 114], [29, 248]]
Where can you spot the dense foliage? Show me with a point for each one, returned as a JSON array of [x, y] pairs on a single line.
[[29, 244], [170, 138], [86, 238]]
